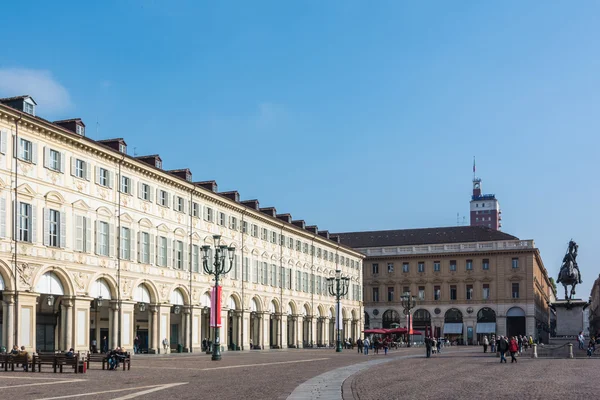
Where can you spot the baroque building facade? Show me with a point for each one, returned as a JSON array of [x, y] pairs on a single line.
[[469, 281], [98, 248]]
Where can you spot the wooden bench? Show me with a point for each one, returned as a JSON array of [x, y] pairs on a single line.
[[62, 360], [99, 358], [126, 361], [44, 359], [12, 360]]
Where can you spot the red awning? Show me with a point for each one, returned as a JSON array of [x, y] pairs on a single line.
[[378, 331]]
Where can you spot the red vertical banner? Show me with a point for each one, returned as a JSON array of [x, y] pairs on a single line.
[[215, 304], [410, 329]]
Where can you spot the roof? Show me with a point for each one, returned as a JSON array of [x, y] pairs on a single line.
[[69, 120], [414, 237], [25, 96]]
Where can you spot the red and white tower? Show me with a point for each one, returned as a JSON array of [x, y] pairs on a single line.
[[485, 208]]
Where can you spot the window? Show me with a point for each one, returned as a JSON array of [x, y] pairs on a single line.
[[26, 150], [437, 292], [144, 248], [452, 265], [80, 130], [161, 257], [515, 290], [375, 294], [163, 198], [469, 292], [390, 268], [125, 243], [390, 293], [305, 248], [485, 264], [222, 219], [421, 292], [486, 291], [405, 289], [245, 268], [28, 108], [273, 237], [233, 223], [103, 177], [469, 265], [436, 266], [255, 231], [26, 225], [180, 204], [325, 254], [196, 210], [145, 192], [291, 243], [515, 263], [53, 161], [263, 233], [375, 269], [255, 272], [126, 185], [83, 234], [196, 259], [53, 221], [122, 148], [158, 164], [404, 267], [245, 227], [80, 169], [421, 267], [178, 255], [452, 292], [102, 238]]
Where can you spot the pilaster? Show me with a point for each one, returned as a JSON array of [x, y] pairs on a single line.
[[127, 324], [26, 311], [164, 328], [81, 324]]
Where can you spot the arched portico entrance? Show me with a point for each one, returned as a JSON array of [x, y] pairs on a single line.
[[515, 322], [179, 321], [390, 317], [100, 327], [54, 320], [453, 325], [274, 326], [321, 322], [291, 326], [233, 327], [332, 327], [205, 322], [422, 321], [255, 324], [146, 320], [486, 323], [306, 326]]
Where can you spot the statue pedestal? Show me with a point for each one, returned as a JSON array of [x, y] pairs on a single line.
[[569, 317]]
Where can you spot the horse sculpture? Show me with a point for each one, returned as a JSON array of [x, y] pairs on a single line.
[[569, 271]]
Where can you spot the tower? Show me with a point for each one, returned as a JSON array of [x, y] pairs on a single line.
[[485, 208]]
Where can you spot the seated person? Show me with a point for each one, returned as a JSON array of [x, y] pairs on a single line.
[[70, 353], [24, 353], [15, 350]]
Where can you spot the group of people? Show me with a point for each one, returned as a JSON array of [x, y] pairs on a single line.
[[433, 345], [523, 343], [591, 349], [376, 344]]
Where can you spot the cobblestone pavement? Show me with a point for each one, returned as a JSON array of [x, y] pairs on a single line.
[[244, 375], [473, 375]]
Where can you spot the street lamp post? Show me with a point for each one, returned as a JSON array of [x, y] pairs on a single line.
[[338, 287], [216, 268], [408, 303]]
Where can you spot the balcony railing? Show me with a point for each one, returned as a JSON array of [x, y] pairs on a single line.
[[450, 248]]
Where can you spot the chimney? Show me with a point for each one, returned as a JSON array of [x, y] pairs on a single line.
[[233, 195], [210, 185], [74, 125], [335, 238], [285, 217], [182, 173], [299, 223], [325, 234], [253, 204], [153, 160], [117, 144], [270, 211], [312, 229]]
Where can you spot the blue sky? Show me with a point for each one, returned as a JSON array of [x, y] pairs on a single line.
[[350, 115]]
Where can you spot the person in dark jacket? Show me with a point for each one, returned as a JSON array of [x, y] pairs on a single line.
[[359, 344], [502, 348], [428, 346]]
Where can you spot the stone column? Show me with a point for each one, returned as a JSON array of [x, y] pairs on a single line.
[[265, 334], [164, 327], [67, 314], [81, 324], [246, 331], [26, 331], [224, 331], [501, 325], [530, 326], [154, 341], [114, 324], [299, 330], [128, 326], [8, 312], [325, 332], [186, 329]]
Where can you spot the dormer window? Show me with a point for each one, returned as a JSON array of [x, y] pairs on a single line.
[[28, 108], [188, 177], [80, 130], [158, 164], [122, 148]]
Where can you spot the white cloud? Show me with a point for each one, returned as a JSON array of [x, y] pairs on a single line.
[[51, 96]]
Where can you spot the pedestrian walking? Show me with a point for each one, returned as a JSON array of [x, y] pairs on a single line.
[[485, 344], [513, 347], [520, 343], [165, 344], [366, 344], [493, 344], [581, 339], [359, 345], [428, 346], [104, 345], [439, 345], [502, 348]]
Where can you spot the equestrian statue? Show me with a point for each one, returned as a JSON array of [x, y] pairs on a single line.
[[569, 271]]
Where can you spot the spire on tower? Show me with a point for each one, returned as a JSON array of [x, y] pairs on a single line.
[[473, 167]]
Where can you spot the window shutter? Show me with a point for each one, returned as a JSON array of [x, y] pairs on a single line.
[[139, 246], [63, 230], [110, 179], [169, 256], [111, 240], [97, 175], [46, 227], [150, 193], [97, 242], [34, 153], [62, 162], [132, 245], [151, 249], [131, 186], [88, 234], [3, 140], [168, 200], [139, 190], [87, 170], [46, 157], [157, 196], [73, 165], [15, 147], [185, 252], [205, 213], [3, 212], [33, 224], [78, 233]]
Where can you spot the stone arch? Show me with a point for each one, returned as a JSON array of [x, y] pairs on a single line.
[[103, 211], [390, 317], [6, 277], [110, 281], [515, 312], [274, 306], [344, 313], [205, 299], [453, 315], [354, 314], [183, 292], [151, 288], [331, 312], [307, 310], [292, 307], [321, 310], [179, 232], [208, 239], [255, 304], [145, 222], [236, 301], [63, 277], [486, 314], [54, 197]]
